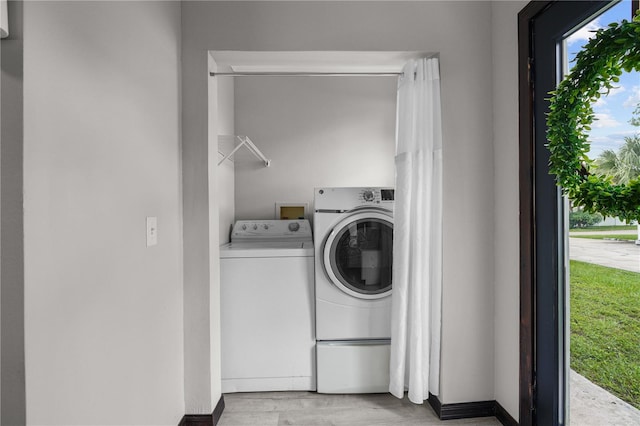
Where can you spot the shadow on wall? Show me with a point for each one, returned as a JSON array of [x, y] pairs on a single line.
[[12, 371]]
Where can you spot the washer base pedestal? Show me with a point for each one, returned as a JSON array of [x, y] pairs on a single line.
[[353, 366]]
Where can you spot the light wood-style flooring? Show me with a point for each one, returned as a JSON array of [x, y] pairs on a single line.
[[312, 409]]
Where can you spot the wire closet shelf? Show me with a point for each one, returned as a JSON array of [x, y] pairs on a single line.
[[246, 142]]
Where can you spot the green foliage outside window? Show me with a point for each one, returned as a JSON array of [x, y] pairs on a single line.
[[582, 219], [598, 66]]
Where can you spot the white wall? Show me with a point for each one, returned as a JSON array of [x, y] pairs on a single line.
[[226, 171], [461, 32], [504, 15], [103, 313], [321, 131], [197, 239]]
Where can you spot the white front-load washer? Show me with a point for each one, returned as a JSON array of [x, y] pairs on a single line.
[[267, 307], [353, 229]]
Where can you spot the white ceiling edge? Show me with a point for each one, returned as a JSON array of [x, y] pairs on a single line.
[[313, 61]]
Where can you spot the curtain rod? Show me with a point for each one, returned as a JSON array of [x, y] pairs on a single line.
[[305, 74]]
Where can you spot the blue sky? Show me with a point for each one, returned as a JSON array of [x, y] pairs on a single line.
[[614, 111]]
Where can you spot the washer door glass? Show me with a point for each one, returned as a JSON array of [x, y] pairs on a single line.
[[358, 255]]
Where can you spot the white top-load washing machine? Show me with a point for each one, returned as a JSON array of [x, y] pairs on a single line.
[[267, 307], [353, 230]]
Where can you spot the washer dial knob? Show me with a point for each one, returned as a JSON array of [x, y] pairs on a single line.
[[294, 226], [368, 195]]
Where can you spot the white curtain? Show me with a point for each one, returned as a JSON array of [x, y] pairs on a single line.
[[417, 241]]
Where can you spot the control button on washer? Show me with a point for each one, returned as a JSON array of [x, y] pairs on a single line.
[[294, 226]]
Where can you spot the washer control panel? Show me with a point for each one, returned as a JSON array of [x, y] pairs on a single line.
[[377, 195], [349, 198], [271, 230]]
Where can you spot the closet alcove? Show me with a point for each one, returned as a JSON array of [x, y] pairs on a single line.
[[323, 118]]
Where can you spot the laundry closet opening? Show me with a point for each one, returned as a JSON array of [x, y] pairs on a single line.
[[318, 130], [322, 119]]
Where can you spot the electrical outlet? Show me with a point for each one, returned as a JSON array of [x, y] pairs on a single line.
[[152, 231]]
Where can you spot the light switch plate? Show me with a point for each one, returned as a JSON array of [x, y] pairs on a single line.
[[152, 231]]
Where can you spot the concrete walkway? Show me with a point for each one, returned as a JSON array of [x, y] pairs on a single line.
[[614, 254], [590, 405]]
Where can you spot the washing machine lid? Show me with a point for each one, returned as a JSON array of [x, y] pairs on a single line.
[[358, 254]]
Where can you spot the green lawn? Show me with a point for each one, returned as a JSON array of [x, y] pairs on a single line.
[[606, 228], [624, 237], [605, 328]]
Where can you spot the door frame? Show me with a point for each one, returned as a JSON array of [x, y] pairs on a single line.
[[542, 351]]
